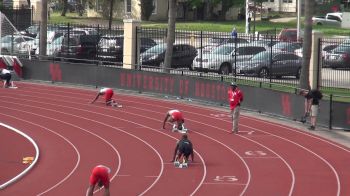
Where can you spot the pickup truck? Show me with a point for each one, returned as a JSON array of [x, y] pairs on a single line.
[[333, 19]]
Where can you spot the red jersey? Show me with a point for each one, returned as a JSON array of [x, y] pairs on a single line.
[[108, 92], [176, 115], [235, 97], [100, 173]]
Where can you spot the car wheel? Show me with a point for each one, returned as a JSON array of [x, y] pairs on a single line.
[[225, 69], [297, 76], [263, 73]]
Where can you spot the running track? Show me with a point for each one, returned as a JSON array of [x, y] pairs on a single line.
[[265, 158]]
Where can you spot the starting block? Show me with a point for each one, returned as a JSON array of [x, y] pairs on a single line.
[[177, 164]]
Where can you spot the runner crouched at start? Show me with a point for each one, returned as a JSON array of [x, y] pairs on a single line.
[[183, 150], [175, 117], [108, 93]]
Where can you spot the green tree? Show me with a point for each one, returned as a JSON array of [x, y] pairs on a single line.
[[146, 9], [65, 7]]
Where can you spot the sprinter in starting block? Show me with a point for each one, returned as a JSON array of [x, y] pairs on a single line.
[[175, 117], [183, 150], [5, 75]]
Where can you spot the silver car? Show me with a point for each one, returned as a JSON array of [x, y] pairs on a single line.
[[222, 59]]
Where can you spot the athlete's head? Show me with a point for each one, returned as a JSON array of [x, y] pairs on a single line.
[[233, 85], [184, 136]]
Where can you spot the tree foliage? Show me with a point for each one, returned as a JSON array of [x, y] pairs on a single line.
[[146, 9]]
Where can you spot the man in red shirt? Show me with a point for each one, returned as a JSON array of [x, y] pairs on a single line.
[[108, 93], [235, 97], [175, 116], [99, 176]]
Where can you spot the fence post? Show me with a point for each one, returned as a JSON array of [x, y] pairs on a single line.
[[130, 48], [330, 112]]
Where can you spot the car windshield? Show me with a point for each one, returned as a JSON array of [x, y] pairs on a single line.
[[262, 56], [157, 49], [342, 48], [215, 40], [281, 45], [224, 50], [108, 41]]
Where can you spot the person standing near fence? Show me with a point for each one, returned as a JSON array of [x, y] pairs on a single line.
[[316, 96], [307, 104], [235, 97]]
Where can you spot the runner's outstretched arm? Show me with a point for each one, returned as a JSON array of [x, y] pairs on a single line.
[[98, 94], [165, 119]]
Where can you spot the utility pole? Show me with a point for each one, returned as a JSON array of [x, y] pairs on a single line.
[[43, 29], [298, 18], [246, 16]]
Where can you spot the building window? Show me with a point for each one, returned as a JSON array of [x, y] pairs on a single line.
[[154, 2], [128, 6]]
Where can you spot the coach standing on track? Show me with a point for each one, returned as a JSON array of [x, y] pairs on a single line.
[[235, 97], [99, 176]]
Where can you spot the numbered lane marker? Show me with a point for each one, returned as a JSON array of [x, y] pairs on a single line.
[[225, 179]]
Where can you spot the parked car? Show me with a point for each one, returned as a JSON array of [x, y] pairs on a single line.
[[290, 35], [339, 57], [217, 41], [277, 64], [53, 49], [333, 19], [10, 44], [287, 46], [79, 46], [326, 48], [110, 47], [183, 55], [222, 59]]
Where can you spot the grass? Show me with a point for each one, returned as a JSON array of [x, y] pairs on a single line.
[[217, 26]]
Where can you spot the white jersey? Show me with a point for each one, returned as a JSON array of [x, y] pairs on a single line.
[[5, 71]]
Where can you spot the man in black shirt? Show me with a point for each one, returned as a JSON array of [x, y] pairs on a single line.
[[184, 149], [313, 98]]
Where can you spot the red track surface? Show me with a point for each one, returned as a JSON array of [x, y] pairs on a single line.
[[74, 136]]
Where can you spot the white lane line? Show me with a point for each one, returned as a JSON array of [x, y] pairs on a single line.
[[14, 179]]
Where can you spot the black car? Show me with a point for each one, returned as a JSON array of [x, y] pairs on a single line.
[[277, 64], [79, 46], [183, 55], [110, 47]]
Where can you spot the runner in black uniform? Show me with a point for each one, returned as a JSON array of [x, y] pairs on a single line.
[[184, 149]]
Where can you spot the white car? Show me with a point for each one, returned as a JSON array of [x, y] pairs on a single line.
[[222, 58], [326, 48], [52, 48]]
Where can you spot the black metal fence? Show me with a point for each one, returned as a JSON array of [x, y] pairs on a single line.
[[254, 59], [335, 62]]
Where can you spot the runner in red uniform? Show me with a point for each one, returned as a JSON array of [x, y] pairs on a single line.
[[99, 176], [108, 93], [176, 117]]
